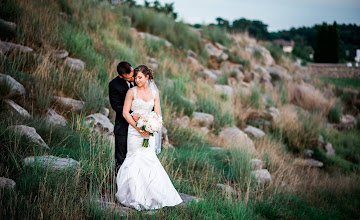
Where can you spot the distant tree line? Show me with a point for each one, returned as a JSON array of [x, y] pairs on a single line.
[[168, 8]]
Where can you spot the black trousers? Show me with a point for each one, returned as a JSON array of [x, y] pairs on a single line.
[[120, 150]]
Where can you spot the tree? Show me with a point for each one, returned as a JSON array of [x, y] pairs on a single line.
[[327, 44]]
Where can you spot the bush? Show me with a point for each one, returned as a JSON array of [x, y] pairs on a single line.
[[335, 113], [223, 79], [216, 34]]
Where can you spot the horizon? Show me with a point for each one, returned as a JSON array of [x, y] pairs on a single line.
[[278, 16]]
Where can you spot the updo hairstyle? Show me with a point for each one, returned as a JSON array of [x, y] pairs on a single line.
[[145, 70]]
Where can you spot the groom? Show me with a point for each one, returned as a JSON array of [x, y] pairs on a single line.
[[118, 88]]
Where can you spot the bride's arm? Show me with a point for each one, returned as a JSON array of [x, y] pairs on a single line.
[[157, 109], [126, 109]]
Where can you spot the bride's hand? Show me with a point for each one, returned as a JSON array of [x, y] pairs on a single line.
[[143, 133]]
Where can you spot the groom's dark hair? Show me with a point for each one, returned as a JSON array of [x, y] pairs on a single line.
[[123, 68]]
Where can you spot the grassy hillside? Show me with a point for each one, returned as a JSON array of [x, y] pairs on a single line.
[[101, 35]]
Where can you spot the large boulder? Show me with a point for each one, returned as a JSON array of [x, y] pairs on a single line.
[[255, 132], [75, 64], [216, 51], [52, 162], [54, 118], [16, 89], [200, 119], [267, 59], [69, 103], [105, 111], [262, 176], [30, 133], [6, 47], [235, 137], [144, 35], [182, 122], [6, 183], [17, 108], [100, 123], [224, 89], [278, 72]]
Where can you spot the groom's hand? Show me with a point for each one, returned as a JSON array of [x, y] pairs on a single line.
[[136, 117]]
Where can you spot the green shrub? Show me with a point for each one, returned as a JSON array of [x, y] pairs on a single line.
[[257, 54], [335, 113], [223, 79], [240, 165], [255, 97], [275, 51], [246, 64], [216, 34]]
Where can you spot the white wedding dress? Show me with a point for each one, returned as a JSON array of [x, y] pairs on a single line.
[[141, 180]]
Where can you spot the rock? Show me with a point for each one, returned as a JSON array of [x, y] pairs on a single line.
[[191, 53], [308, 162], [230, 68], [272, 113], [215, 148], [16, 89], [278, 72], [164, 138], [30, 133], [321, 141], [55, 119], [308, 153], [348, 120], [245, 89], [75, 64], [329, 149], [234, 136], [266, 57], [54, 163], [209, 74], [194, 64], [261, 176], [69, 103], [251, 76], [200, 119], [224, 89], [256, 164], [144, 35], [100, 123], [9, 25], [170, 82], [60, 54], [216, 51], [226, 188], [264, 74], [17, 108], [152, 63], [183, 122], [6, 47], [188, 198], [204, 130], [6, 183], [192, 102], [254, 131], [105, 111]]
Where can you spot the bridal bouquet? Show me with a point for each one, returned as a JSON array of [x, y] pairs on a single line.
[[150, 122]]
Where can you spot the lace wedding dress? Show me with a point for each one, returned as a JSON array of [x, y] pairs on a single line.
[[142, 182]]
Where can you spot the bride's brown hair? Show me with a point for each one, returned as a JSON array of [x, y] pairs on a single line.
[[145, 70]]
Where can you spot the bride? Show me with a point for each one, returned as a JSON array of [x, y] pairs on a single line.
[[141, 180]]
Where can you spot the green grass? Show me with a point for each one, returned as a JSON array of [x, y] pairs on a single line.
[[342, 82], [216, 34]]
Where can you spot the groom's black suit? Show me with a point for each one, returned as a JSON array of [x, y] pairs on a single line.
[[118, 88]]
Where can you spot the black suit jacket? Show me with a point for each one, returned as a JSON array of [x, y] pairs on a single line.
[[117, 92]]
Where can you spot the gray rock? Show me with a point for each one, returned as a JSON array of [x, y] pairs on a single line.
[[235, 137], [164, 138], [17, 108], [55, 119], [261, 176], [188, 198], [278, 72], [6, 47], [256, 164], [209, 74], [152, 63], [183, 122], [216, 51], [194, 64], [321, 141], [308, 162], [200, 119], [9, 25], [16, 89], [30, 133], [144, 35], [308, 153], [52, 162], [226, 188], [191, 53], [6, 183], [267, 59], [204, 130], [105, 111], [224, 89], [348, 120], [60, 54], [215, 148], [329, 149], [192, 102], [254, 131], [69, 103], [75, 64], [100, 124]]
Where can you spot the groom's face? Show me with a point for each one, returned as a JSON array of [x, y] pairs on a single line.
[[129, 77]]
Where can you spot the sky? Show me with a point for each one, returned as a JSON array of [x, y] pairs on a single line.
[[277, 14]]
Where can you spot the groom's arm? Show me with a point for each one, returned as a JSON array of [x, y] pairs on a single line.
[[116, 100]]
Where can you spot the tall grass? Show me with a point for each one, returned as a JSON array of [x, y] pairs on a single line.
[[216, 34]]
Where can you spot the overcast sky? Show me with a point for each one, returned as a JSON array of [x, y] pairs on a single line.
[[277, 14]]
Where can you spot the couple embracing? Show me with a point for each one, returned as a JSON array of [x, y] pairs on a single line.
[[142, 182]]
